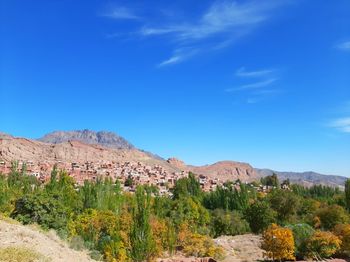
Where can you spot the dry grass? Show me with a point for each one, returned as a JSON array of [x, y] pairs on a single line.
[[9, 220], [21, 254]]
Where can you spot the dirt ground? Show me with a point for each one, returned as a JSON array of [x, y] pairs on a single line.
[[242, 248], [48, 244]]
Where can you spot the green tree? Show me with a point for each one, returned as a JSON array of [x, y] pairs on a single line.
[[42, 209], [228, 223], [347, 194], [188, 186], [285, 203], [270, 180], [142, 242], [259, 216]]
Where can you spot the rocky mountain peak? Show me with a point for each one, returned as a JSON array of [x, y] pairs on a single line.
[[103, 138]]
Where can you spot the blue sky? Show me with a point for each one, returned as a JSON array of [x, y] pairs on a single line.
[[264, 82]]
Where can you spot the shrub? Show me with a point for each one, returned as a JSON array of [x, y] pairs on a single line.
[[278, 242], [343, 232], [301, 233], [329, 216], [322, 245], [202, 246]]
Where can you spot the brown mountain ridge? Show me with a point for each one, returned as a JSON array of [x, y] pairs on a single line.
[[89, 146]]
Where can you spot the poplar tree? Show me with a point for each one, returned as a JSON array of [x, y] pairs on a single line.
[[141, 238], [347, 194]]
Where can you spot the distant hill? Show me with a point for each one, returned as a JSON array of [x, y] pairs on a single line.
[[305, 178], [87, 145], [103, 138]]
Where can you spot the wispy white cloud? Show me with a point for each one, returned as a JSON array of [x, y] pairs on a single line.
[[261, 89], [345, 46], [222, 17], [242, 72], [342, 124], [260, 84], [222, 23], [178, 56], [120, 13]]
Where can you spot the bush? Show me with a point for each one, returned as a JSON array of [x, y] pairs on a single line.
[[228, 223], [322, 245], [278, 242], [42, 209], [343, 232], [301, 233], [202, 246], [329, 216]]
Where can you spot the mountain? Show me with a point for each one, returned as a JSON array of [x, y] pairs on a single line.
[[85, 145], [22, 149], [305, 178], [4, 135], [223, 170], [227, 170], [103, 138]]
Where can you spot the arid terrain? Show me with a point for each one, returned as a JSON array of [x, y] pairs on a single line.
[[46, 245]]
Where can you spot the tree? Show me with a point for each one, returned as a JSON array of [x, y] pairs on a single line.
[[347, 194], [42, 209], [188, 186], [278, 242], [142, 242], [228, 223], [270, 180], [259, 216], [229, 197], [285, 203]]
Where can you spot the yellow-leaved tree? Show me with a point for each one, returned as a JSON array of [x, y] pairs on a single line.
[[278, 243]]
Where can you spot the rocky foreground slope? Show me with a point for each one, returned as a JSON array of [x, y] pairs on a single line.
[[36, 245]]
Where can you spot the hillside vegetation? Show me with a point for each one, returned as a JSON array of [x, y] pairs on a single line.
[[295, 222]]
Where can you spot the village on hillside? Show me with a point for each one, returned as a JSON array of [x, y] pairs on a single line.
[[129, 174]]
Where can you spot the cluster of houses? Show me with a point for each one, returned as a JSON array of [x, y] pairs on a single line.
[[129, 174]]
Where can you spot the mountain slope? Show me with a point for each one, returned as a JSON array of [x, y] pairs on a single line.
[[103, 138], [305, 178], [81, 146], [226, 170]]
